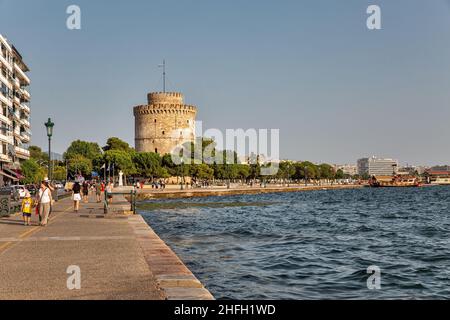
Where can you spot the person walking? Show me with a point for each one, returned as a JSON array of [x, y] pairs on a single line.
[[85, 192], [44, 203], [98, 191], [109, 190], [76, 196]]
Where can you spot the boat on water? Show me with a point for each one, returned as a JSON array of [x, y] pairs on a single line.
[[397, 181], [441, 182]]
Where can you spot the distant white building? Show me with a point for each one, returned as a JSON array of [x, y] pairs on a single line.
[[349, 169], [374, 166]]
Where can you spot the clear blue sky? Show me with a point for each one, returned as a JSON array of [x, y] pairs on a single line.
[[336, 90]]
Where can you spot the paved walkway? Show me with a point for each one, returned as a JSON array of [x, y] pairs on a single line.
[[34, 260]]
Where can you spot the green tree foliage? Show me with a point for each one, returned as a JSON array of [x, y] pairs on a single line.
[[89, 150], [79, 164], [148, 164], [202, 171], [37, 154], [115, 143], [340, 174], [121, 159], [59, 173], [32, 171], [325, 171]]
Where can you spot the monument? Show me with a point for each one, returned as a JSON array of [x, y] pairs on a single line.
[[164, 123]]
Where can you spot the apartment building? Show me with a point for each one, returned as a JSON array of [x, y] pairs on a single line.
[[15, 128], [377, 166]]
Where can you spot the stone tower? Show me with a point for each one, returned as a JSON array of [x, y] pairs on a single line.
[[164, 123]]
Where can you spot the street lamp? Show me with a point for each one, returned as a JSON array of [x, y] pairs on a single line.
[[49, 125], [182, 174]]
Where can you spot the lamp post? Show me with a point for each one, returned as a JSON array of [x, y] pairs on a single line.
[[182, 174], [49, 125]]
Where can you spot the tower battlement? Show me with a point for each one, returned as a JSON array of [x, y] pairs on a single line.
[[165, 98]]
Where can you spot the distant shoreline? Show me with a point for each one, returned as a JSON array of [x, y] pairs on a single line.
[[148, 194]]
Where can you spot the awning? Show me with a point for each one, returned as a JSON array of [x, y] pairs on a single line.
[[8, 176], [14, 174]]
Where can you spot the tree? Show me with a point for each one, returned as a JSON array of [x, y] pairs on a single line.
[[89, 150], [243, 171], [115, 143], [37, 154], [148, 164], [339, 174], [326, 171], [122, 160], [79, 164], [168, 164], [59, 173], [162, 173], [202, 171], [32, 171]]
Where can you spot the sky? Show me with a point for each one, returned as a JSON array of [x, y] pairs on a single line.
[[311, 68]]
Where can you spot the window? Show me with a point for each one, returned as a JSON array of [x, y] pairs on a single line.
[[163, 132], [156, 150]]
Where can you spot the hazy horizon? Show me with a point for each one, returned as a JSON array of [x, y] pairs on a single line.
[[337, 91]]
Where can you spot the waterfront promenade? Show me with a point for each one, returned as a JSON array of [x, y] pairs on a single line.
[[120, 257], [174, 191]]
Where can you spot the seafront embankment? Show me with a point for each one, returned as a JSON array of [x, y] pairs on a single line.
[[111, 256], [177, 193]]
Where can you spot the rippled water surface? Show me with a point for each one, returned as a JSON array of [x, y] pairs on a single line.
[[313, 245]]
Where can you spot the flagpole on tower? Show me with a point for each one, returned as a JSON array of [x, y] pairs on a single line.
[[164, 74]]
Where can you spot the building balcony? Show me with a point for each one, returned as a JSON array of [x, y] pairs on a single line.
[[25, 94], [16, 83], [5, 138], [5, 119], [5, 81], [5, 63], [5, 99], [25, 137], [22, 153], [22, 74], [25, 122], [25, 108], [4, 158]]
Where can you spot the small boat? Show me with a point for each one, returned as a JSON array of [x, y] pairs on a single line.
[[394, 181]]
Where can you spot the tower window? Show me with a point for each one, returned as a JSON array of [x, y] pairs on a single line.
[[155, 120], [156, 150], [163, 132]]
